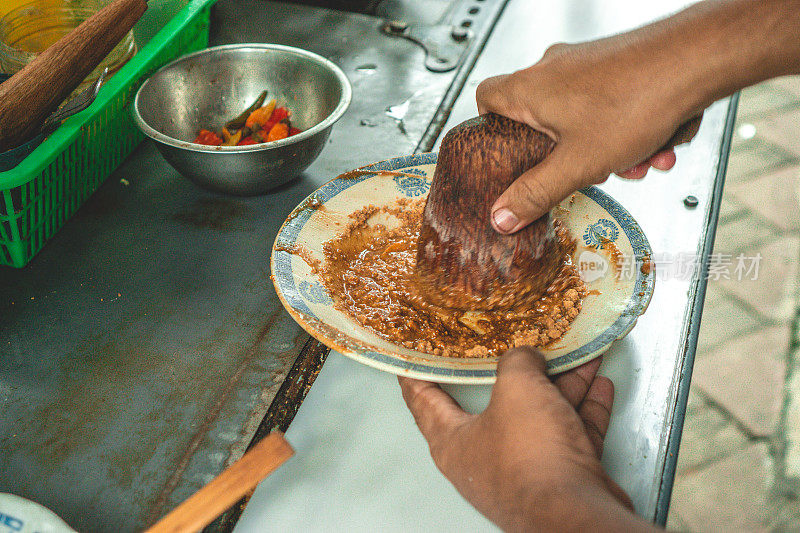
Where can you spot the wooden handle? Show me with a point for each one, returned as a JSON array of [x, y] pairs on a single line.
[[30, 95], [227, 488]]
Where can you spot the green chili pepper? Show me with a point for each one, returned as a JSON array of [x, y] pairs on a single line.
[[239, 121]]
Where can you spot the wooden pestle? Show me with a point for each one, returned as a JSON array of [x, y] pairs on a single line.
[[463, 262], [30, 95]]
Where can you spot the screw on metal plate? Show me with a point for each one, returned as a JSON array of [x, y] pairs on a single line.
[[443, 44], [459, 34], [691, 201]]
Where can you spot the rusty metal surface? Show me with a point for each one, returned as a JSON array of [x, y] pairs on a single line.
[[141, 349], [135, 362], [281, 413]]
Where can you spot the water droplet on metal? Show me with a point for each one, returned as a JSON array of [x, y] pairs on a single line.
[[691, 201], [395, 26], [399, 111]]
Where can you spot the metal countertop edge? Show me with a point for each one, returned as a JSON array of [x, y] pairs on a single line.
[[281, 412], [679, 412]]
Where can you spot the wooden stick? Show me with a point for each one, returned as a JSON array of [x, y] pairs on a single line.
[[237, 480]]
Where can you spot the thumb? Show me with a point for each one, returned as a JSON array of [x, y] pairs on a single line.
[[537, 191], [437, 414], [522, 381], [523, 361], [518, 369]]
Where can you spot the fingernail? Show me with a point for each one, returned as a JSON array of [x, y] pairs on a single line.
[[504, 219]]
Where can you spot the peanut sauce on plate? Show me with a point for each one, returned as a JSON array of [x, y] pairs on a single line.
[[370, 273]]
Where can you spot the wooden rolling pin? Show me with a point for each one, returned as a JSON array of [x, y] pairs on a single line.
[[30, 95]]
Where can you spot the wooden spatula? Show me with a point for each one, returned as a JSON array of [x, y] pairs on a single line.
[[233, 483], [30, 95]]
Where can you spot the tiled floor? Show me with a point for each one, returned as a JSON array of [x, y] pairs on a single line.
[[739, 461]]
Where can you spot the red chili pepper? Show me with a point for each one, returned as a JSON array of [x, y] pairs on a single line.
[[247, 140], [268, 125], [208, 138], [279, 114]]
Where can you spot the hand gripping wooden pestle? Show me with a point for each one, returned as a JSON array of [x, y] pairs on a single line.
[[462, 262], [30, 95]]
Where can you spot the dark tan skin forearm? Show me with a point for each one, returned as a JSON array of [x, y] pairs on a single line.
[[612, 104], [721, 46]]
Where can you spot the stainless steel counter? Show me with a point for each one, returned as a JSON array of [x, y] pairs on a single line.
[[361, 463], [143, 345]]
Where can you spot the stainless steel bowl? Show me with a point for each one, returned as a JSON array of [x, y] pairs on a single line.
[[208, 88]]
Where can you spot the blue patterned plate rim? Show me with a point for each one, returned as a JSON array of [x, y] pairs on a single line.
[[290, 294]]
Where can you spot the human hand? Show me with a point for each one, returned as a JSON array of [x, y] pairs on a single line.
[[610, 105], [531, 460]]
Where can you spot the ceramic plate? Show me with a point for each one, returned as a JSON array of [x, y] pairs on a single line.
[[620, 281]]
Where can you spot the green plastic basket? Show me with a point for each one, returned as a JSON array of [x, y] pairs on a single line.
[[47, 187]]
